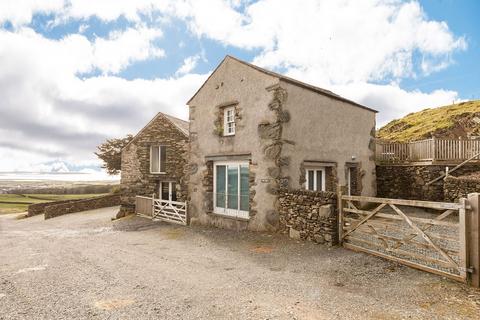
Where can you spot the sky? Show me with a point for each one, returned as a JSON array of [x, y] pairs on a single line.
[[74, 73]]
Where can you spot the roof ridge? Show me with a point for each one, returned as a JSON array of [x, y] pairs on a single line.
[[165, 116], [287, 79], [176, 118], [172, 120]]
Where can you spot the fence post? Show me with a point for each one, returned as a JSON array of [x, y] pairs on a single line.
[[473, 239], [340, 214], [153, 204], [434, 148]]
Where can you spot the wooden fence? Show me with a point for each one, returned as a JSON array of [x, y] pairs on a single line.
[[436, 237], [144, 206], [428, 150]]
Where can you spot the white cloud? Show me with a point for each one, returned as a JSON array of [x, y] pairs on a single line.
[[111, 10], [188, 65], [392, 101], [122, 48], [56, 114], [21, 12], [361, 41], [347, 46]]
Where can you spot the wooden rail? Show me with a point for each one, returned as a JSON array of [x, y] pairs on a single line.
[[403, 231], [165, 210], [428, 150]]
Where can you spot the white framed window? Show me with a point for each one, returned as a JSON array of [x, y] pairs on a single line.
[[229, 121], [158, 159], [167, 191], [231, 189], [315, 179]]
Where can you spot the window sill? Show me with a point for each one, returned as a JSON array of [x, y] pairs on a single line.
[[228, 135], [226, 216], [158, 173]]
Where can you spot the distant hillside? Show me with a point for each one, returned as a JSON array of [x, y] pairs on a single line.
[[453, 121]]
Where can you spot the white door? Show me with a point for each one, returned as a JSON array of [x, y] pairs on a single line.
[[168, 191]]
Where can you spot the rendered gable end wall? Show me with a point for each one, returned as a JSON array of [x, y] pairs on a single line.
[[325, 129], [232, 82]]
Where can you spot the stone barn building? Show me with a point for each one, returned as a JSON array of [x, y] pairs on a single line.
[[154, 162], [254, 133]]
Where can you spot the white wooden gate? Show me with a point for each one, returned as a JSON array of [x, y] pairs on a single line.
[[170, 211], [164, 210]]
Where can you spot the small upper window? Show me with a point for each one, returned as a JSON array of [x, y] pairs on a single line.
[[158, 159], [315, 179], [229, 121]]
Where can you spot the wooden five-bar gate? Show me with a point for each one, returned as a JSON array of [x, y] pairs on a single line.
[[437, 237], [164, 210]]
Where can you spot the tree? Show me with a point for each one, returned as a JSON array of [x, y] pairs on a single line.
[[110, 152]]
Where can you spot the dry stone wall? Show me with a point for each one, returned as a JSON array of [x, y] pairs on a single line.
[[459, 187], [309, 215], [409, 182], [58, 209], [39, 208]]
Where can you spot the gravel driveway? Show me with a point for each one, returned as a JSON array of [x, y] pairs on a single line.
[[84, 266]]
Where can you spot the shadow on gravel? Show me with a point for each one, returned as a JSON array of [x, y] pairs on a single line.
[[134, 223]]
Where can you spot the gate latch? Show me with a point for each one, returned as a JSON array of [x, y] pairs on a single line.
[[469, 270]]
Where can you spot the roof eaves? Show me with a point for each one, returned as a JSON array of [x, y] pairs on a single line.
[[302, 84]]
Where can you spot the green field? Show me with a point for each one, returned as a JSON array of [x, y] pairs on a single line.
[[15, 203]]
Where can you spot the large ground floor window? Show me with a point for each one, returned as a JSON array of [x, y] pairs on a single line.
[[231, 193]]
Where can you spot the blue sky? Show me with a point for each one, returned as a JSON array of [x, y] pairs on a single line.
[[463, 75], [75, 72]]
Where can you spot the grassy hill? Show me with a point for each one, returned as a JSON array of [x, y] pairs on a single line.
[[452, 121]]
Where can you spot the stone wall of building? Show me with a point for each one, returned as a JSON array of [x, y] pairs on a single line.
[[459, 187], [309, 215], [136, 178], [409, 181], [58, 209]]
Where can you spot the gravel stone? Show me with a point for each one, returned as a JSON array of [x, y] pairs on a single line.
[[85, 266]]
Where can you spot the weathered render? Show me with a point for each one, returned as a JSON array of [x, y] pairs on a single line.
[[282, 127], [136, 176]]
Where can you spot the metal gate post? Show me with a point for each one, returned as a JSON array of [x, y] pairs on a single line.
[[473, 239]]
